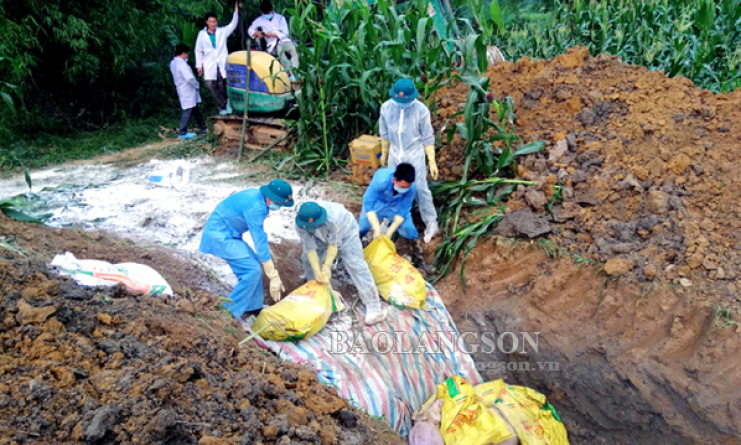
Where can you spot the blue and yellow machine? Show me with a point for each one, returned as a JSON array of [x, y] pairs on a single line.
[[270, 88]]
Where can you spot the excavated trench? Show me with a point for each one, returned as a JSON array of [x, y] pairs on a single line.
[[623, 362]]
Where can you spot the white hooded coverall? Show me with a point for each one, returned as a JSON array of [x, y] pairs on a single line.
[[341, 230], [408, 131]]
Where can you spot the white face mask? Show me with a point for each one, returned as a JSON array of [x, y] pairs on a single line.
[[403, 105], [401, 190], [273, 206]]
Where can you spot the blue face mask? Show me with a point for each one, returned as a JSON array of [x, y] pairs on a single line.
[[403, 105], [273, 206], [268, 16], [401, 190]]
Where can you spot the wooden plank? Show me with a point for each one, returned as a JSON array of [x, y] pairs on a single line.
[[265, 135]]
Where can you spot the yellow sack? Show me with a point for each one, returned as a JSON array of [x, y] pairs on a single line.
[[398, 282], [466, 420], [301, 314], [532, 416]]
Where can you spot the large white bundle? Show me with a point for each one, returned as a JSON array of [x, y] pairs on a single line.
[[136, 277]]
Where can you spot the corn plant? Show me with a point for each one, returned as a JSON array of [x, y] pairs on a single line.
[[489, 150], [351, 57], [697, 39], [490, 153]]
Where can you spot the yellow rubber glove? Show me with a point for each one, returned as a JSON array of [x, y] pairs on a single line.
[[276, 285], [398, 219], [331, 255], [375, 225], [384, 152], [313, 259], [430, 150]]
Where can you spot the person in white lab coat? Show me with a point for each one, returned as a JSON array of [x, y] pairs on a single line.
[[273, 27], [187, 88], [211, 56]]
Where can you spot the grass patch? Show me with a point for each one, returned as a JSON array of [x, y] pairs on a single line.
[[48, 149], [724, 317]]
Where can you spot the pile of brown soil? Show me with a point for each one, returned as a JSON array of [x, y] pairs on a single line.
[[649, 164], [107, 366]]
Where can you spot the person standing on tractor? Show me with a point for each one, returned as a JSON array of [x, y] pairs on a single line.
[[327, 229], [406, 136], [187, 88], [390, 196], [242, 212], [211, 56], [273, 27]]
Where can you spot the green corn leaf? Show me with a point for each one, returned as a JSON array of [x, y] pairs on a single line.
[[462, 130], [496, 15], [19, 216], [505, 159], [533, 147], [421, 34]]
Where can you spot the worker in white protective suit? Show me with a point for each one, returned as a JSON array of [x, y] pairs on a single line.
[[406, 136], [273, 27], [212, 54], [327, 229]]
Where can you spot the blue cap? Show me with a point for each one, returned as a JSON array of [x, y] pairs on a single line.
[[310, 216], [403, 91], [278, 191]]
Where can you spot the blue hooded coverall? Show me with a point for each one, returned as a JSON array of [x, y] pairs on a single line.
[[222, 237], [381, 198]]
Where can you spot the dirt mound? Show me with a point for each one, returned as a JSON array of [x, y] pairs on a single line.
[[635, 363], [649, 167], [649, 164], [107, 366]]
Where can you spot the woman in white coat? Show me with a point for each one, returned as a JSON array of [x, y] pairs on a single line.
[[187, 88], [211, 56]]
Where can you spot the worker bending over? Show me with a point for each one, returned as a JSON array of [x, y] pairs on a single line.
[[390, 196], [327, 229], [242, 212], [211, 56], [187, 88], [406, 133], [273, 27]]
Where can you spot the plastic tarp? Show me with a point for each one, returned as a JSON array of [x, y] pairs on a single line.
[[389, 384]]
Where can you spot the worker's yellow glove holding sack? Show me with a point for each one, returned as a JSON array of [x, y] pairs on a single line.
[[313, 259], [398, 219], [374, 223], [430, 151], [328, 260], [276, 285], [384, 152]]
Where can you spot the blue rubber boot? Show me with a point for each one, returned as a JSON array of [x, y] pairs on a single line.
[[187, 136]]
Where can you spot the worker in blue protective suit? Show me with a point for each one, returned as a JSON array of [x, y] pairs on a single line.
[[406, 136], [242, 212], [327, 229], [390, 196]]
